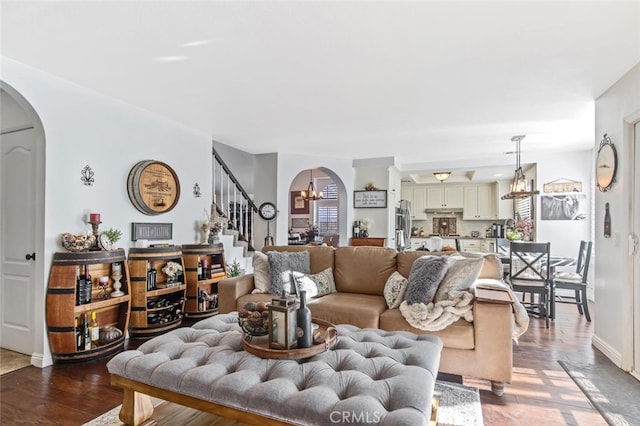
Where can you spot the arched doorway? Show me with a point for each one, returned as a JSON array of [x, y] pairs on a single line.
[[325, 218], [22, 225]]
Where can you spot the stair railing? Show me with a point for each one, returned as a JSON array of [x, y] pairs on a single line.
[[231, 201]]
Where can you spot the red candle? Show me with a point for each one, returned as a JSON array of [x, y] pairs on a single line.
[[94, 217]]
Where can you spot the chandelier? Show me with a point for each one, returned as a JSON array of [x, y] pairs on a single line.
[[442, 176], [519, 186], [311, 194]]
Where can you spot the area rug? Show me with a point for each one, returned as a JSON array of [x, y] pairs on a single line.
[[614, 393], [459, 405], [12, 361]]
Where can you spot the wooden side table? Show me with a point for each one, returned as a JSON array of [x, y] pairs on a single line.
[[369, 241]]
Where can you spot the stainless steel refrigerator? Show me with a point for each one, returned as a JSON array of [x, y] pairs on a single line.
[[403, 225]]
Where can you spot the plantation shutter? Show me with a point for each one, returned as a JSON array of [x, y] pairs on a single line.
[[327, 207]]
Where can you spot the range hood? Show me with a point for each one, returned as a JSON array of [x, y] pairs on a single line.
[[444, 211]]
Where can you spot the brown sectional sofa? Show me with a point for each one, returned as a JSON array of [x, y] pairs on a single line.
[[481, 349]]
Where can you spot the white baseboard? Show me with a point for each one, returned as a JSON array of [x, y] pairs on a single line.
[[607, 350], [41, 360]]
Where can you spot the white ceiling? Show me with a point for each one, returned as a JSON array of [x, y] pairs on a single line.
[[432, 83]]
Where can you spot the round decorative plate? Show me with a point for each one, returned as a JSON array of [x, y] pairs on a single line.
[[104, 242], [153, 187]]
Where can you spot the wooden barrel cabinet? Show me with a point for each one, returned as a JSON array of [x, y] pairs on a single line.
[[204, 267], [62, 309], [155, 310]]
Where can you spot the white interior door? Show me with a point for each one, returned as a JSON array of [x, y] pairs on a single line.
[[636, 261], [17, 231]]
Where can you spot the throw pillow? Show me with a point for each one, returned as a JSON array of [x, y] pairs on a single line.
[[461, 274], [394, 290], [426, 273], [316, 285], [261, 273], [492, 266], [282, 264]]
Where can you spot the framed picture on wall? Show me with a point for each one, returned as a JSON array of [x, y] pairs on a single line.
[[298, 204], [370, 199]]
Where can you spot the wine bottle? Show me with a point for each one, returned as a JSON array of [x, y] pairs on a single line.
[[154, 276], [88, 285], [200, 300], [86, 336], [94, 330], [79, 335], [200, 276], [303, 320], [205, 270], [607, 221], [80, 290]]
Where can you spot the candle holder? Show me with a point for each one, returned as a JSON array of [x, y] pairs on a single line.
[[117, 285], [96, 233]]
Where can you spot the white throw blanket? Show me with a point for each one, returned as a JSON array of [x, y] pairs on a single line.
[[438, 316]]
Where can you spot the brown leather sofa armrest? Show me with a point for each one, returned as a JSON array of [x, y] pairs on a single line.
[[493, 295], [230, 289]]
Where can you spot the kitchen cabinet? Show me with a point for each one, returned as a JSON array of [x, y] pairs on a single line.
[[505, 207], [64, 314], [443, 196], [471, 245], [479, 202], [417, 195]]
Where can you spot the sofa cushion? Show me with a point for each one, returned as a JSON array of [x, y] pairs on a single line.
[[363, 269], [320, 257], [426, 274], [281, 265], [316, 285], [492, 266], [406, 258], [261, 273], [361, 310], [394, 290], [461, 274], [458, 335]]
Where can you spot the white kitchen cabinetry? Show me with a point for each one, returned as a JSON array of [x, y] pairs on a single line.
[[480, 202], [417, 196], [505, 207], [471, 245], [443, 196]]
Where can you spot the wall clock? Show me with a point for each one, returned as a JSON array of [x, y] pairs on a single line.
[[153, 187], [267, 211], [606, 164]]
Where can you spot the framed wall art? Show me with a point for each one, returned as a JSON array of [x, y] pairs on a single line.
[[298, 204], [370, 199]]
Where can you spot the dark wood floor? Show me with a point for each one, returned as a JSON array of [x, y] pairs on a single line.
[[541, 392]]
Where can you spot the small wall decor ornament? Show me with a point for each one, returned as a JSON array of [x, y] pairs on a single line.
[[196, 190], [606, 164], [86, 176]]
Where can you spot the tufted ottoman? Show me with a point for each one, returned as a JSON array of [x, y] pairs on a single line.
[[370, 377]]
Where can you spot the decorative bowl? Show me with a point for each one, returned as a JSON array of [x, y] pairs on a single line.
[[77, 242], [253, 327], [109, 334]]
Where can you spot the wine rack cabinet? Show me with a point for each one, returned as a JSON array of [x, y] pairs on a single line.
[[154, 312], [211, 257], [62, 310]]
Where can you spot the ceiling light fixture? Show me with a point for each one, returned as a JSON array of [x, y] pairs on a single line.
[[311, 194], [519, 187], [442, 176]]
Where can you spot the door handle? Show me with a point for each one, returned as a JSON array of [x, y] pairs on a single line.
[[31, 256]]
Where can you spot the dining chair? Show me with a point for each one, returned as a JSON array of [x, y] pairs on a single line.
[[529, 274], [576, 281]]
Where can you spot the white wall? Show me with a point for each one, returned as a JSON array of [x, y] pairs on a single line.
[[616, 110], [85, 128]]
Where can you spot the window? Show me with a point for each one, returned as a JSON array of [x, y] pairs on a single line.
[[326, 209]]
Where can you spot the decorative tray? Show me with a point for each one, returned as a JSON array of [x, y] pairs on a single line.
[[259, 345]]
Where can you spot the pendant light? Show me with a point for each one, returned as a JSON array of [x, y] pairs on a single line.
[[519, 186], [311, 194]]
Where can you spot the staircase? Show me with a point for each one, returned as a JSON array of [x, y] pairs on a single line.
[[235, 210]]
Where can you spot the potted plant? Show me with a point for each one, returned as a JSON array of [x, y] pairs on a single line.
[[234, 269], [112, 236]]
